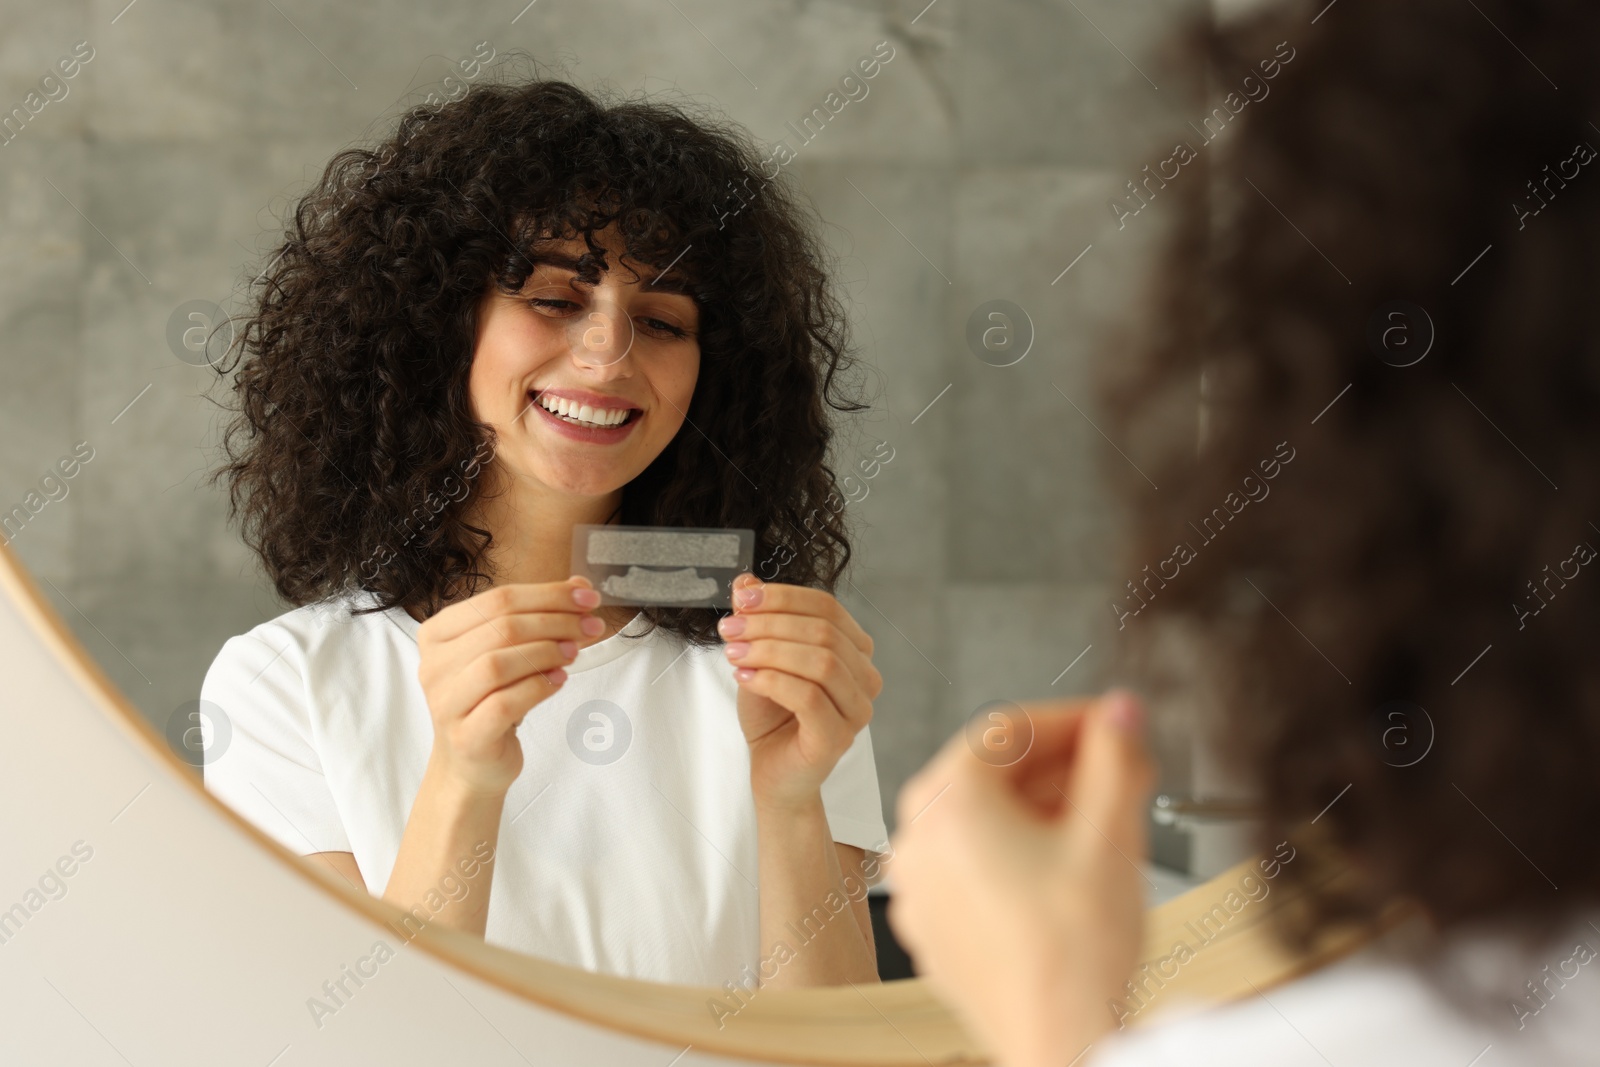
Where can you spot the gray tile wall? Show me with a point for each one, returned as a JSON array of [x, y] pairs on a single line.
[[977, 168]]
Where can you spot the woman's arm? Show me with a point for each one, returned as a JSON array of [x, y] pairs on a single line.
[[806, 686], [486, 662], [852, 862], [448, 844], [805, 906], [464, 910]]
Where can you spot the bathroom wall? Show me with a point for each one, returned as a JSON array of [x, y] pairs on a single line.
[[978, 168]]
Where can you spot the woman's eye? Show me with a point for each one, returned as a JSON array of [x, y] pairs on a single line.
[[552, 304], [661, 328]]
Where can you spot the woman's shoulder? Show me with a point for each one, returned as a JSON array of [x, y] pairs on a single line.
[[333, 626], [336, 617], [1390, 1003]]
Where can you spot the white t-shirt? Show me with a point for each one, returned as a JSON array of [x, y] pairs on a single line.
[[628, 843], [1379, 1007]]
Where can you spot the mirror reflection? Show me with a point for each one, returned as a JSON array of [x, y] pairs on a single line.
[[796, 306]]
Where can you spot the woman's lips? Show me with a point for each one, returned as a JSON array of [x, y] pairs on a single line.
[[598, 435]]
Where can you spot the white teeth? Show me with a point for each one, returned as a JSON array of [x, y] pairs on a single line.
[[575, 412]]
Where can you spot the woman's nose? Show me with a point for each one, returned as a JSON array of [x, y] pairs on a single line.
[[601, 337]]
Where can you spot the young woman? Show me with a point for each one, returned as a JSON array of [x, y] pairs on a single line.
[[1406, 626], [530, 310]]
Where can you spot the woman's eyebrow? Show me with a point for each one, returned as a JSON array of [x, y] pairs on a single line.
[[666, 281], [676, 283], [552, 258]]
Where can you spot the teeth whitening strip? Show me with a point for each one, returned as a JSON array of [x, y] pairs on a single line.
[[662, 566]]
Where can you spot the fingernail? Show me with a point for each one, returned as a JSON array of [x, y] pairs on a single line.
[[749, 596], [743, 674], [737, 649], [586, 598], [731, 626], [555, 677], [592, 626], [1125, 712], [568, 649]]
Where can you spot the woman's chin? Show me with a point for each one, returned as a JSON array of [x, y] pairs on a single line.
[[586, 482]]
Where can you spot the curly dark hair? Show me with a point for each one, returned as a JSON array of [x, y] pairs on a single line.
[[352, 417], [1404, 557]]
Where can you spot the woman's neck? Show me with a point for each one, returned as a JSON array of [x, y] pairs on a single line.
[[531, 529]]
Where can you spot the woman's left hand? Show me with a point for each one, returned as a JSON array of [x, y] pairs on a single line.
[[806, 685]]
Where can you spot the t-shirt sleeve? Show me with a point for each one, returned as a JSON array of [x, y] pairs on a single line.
[[850, 797], [269, 771]]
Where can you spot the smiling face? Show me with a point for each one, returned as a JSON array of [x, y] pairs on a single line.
[[584, 384]]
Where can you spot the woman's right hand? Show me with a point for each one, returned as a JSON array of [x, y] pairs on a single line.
[[489, 660], [1016, 889]]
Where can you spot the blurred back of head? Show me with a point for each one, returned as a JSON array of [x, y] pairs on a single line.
[[1384, 269]]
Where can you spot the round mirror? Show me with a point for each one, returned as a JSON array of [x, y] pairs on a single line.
[[529, 487]]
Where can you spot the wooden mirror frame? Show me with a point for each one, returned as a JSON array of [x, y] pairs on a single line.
[[57, 761]]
